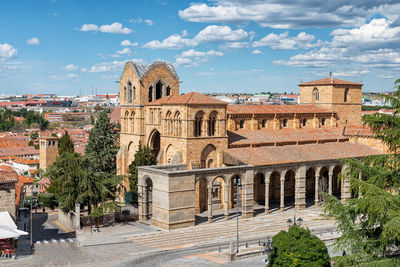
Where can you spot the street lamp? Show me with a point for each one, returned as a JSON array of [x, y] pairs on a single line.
[[296, 222], [32, 201], [237, 185]]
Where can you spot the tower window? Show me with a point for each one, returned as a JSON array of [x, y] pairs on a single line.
[[323, 122], [304, 122], [263, 123], [346, 94], [241, 124], [198, 124], [284, 123], [315, 94], [150, 93]]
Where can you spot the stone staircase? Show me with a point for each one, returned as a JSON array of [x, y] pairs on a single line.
[[259, 227]]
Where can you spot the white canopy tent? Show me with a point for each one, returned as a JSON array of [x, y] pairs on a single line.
[[8, 229]]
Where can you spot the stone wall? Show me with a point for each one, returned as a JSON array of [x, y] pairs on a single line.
[[7, 198]]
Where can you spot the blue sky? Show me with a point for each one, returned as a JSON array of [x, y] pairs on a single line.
[[70, 47]]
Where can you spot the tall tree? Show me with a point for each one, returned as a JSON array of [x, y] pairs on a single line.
[[65, 144], [101, 149], [143, 157], [370, 223]]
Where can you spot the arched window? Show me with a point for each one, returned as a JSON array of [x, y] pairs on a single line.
[[346, 94], [315, 94], [133, 93], [132, 122], [126, 122], [212, 123], [150, 93], [241, 124], [125, 94], [178, 124], [169, 123], [304, 122], [168, 90], [129, 92], [284, 123], [263, 124], [159, 87], [198, 123], [323, 122]]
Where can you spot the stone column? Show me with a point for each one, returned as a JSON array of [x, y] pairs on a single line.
[[77, 221], [317, 185], [330, 178], [154, 93], [300, 190], [209, 192], [247, 194], [141, 202], [163, 90], [282, 204], [226, 208], [267, 177]]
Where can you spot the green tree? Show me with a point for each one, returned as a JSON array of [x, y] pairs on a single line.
[[370, 224], [143, 157], [101, 149], [297, 247], [65, 144]]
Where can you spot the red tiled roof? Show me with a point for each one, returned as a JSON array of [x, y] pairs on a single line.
[[271, 155], [115, 115], [328, 81], [8, 174], [266, 136], [187, 99], [273, 109], [355, 130], [18, 151]]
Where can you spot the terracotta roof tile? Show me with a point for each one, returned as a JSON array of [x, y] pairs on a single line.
[[357, 130], [115, 115], [187, 99], [269, 137], [271, 155], [274, 109], [328, 81]]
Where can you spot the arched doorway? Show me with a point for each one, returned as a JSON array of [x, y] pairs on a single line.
[[218, 193], [149, 198], [274, 189], [336, 182], [289, 188], [154, 143], [201, 196], [259, 188], [323, 183], [310, 186], [208, 157]]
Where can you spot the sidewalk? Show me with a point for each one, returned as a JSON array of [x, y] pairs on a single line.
[[23, 244], [111, 234]]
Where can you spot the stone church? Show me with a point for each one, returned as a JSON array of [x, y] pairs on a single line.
[[282, 156]]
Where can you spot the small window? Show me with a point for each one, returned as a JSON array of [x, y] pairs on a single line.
[[284, 123], [323, 122], [241, 124], [346, 94], [304, 122], [263, 123], [315, 94]]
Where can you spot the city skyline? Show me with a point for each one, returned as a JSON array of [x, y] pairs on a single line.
[[71, 47]]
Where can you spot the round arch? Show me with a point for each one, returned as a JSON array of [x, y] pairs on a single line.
[[148, 201], [310, 185], [290, 187], [154, 142], [208, 158], [201, 196], [259, 188], [336, 182]]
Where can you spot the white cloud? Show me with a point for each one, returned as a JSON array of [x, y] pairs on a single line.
[[284, 42], [185, 33], [256, 52], [70, 76], [33, 41], [290, 14], [114, 66], [191, 58], [372, 45], [70, 67], [7, 51], [124, 51], [149, 22], [115, 28], [210, 34], [235, 45], [129, 43]]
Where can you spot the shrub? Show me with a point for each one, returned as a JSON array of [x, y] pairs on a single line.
[[298, 247]]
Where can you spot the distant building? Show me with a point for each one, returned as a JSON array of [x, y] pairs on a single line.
[[48, 147]]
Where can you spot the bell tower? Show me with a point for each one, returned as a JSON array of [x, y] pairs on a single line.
[[48, 151], [335, 95]]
